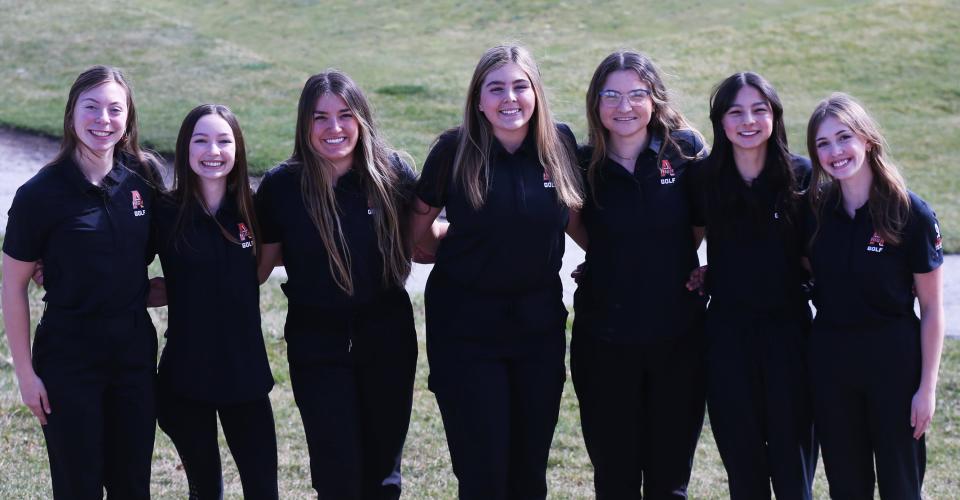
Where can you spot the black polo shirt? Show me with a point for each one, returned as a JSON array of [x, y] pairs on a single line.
[[860, 279], [93, 240], [284, 219], [754, 254], [514, 243], [214, 350], [641, 247]]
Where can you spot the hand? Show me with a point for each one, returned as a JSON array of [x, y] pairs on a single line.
[[696, 280], [34, 395], [578, 273], [38, 273], [921, 411], [157, 295]]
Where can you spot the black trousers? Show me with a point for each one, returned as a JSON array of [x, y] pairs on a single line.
[[249, 430], [863, 381], [758, 394], [352, 374], [497, 371], [100, 375], [641, 408]]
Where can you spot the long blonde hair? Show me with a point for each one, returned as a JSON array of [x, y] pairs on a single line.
[[471, 165], [889, 201], [664, 120], [372, 160]]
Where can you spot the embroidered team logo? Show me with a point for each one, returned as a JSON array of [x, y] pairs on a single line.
[[938, 245], [876, 243], [137, 201], [243, 234], [547, 183], [667, 175]]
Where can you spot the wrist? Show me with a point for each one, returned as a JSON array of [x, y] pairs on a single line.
[[927, 388]]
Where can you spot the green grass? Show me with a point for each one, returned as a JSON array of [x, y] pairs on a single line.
[[415, 59], [426, 465]]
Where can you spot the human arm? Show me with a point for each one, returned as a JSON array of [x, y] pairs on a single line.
[[698, 234], [270, 257], [16, 321], [576, 229], [929, 287], [425, 251], [422, 219]]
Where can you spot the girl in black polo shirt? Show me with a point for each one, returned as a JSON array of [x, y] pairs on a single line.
[[873, 363], [86, 215], [214, 362], [495, 318], [758, 322], [637, 348], [335, 211]]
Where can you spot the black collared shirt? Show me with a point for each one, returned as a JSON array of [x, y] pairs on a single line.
[[284, 219], [214, 349], [514, 243], [754, 254], [93, 240], [641, 249], [860, 279]]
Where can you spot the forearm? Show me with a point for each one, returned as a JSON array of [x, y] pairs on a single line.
[[16, 321], [931, 345]]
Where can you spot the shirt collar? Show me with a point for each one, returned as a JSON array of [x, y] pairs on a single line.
[[656, 143], [73, 174]]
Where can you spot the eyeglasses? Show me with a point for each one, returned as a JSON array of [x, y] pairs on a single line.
[[612, 98]]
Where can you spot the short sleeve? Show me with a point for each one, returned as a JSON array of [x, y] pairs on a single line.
[[27, 228], [802, 171], [434, 179], [406, 177], [265, 205], [923, 240]]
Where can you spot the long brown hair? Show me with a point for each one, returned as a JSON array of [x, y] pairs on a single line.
[[373, 161], [186, 185], [471, 163], [889, 201], [664, 120], [145, 162]]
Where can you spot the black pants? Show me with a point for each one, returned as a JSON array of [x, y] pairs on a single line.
[[352, 374], [641, 408], [497, 371], [100, 374], [760, 404], [864, 380], [249, 430]]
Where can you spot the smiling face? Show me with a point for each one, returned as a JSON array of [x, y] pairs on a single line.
[[631, 115], [508, 101], [212, 148], [335, 131], [841, 152], [100, 117], [748, 124]]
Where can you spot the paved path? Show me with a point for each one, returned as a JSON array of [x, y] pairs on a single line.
[[22, 154]]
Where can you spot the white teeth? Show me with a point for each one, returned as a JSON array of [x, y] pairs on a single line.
[[624, 118], [212, 164], [509, 111], [840, 164], [338, 140], [101, 133], [750, 133]]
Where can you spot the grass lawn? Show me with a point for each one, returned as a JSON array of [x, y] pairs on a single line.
[[414, 59], [426, 466]]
